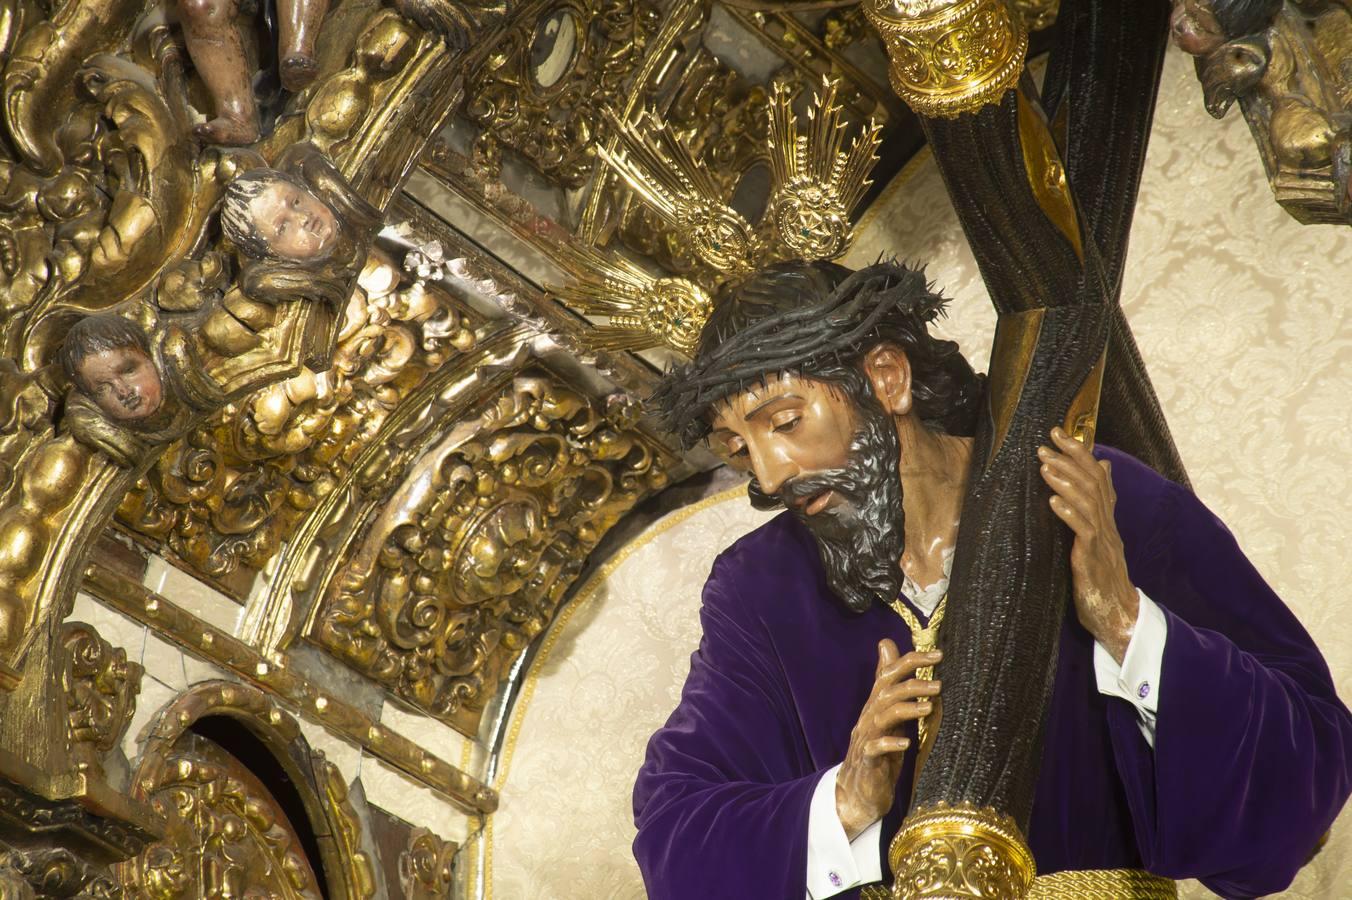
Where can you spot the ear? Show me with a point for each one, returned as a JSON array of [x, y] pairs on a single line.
[[889, 371]]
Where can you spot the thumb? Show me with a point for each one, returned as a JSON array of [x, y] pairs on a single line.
[[887, 654]]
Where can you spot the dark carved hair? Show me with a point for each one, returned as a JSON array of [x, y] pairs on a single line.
[[237, 219], [96, 334], [1241, 18], [817, 320]]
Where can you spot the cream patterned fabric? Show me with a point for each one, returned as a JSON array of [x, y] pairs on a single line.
[[1243, 318]]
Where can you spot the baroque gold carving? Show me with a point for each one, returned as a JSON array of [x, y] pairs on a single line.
[[108, 215], [227, 835], [100, 687], [64, 485], [950, 57], [960, 853], [426, 867], [468, 559], [554, 126], [224, 496], [52, 872]]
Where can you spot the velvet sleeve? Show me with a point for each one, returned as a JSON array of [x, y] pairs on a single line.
[[722, 800], [1251, 759]]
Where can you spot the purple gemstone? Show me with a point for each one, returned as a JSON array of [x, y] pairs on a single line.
[[835, 879], [1144, 690]]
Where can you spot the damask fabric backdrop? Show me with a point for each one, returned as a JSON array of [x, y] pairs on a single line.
[[1243, 320]]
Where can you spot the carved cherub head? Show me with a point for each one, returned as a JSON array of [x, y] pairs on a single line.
[[109, 360], [1201, 27], [269, 214]]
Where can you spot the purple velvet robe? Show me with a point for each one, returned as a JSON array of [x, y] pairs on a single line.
[[1251, 758]]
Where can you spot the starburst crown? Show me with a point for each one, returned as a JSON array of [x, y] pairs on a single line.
[[816, 182]]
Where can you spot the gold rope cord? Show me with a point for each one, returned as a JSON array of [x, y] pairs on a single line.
[[925, 638], [1092, 884]]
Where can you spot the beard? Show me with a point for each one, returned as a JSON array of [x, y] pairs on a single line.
[[861, 535]]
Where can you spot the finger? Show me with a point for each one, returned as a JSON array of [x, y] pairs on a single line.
[[1108, 480], [1087, 502], [910, 690], [1068, 514], [904, 711], [1063, 463], [1097, 498], [908, 664], [881, 746], [1090, 478], [1076, 450]]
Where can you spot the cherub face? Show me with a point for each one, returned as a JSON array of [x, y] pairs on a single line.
[[1195, 27], [123, 382], [296, 224]]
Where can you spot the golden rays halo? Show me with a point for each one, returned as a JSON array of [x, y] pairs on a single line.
[[816, 180]]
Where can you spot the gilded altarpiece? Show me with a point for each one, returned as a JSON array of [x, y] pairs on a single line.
[[222, 498], [557, 86], [113, 226], [443, 585]]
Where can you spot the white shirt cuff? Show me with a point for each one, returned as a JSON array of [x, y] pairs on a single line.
[[1137, 680], [834, 862]]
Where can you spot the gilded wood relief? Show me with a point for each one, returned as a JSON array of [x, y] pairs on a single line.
[[467, 561]]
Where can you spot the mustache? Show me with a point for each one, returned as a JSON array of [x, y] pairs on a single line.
[[796, 491], [860, 538]]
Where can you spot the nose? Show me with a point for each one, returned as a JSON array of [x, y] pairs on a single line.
[[771, 467]]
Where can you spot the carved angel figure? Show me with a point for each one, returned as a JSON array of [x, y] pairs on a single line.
[[108, 358], [303, 233], [1287, 64], [216, 45]]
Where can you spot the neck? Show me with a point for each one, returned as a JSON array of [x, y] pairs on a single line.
[[934, 469]]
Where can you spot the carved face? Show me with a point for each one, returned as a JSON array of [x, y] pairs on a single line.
[[834, 462], [123, 382], [1195, 27], [296, 224], [791, 427]]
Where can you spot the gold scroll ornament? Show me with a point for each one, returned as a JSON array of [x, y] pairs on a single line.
[[950, 57]]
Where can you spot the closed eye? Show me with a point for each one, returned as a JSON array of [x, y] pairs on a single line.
[[787, 424]]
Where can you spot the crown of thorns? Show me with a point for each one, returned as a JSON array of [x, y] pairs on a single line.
[[836, 329]]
